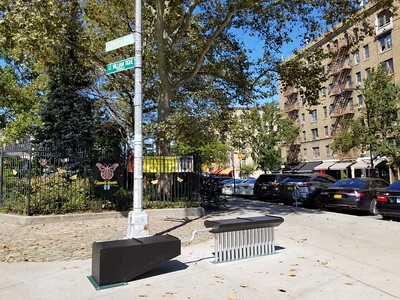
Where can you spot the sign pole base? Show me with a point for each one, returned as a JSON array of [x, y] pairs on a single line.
[[138, 225]]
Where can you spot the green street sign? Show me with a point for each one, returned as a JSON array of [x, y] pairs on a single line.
[[121, 65]]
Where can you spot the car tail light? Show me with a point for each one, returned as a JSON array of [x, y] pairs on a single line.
[[381, 198], [276, 185], [305, 184]]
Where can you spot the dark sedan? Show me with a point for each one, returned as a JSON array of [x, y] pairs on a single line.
[[389, 201], [354, 193]]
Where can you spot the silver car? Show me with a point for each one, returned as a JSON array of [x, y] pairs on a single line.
[[246, 188]]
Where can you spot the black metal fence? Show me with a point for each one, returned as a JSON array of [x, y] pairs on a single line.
[[37, 181]]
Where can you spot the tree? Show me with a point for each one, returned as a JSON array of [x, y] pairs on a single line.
[[210, 152], [376, 129], [193, 51], [67, 115], [263, 129]]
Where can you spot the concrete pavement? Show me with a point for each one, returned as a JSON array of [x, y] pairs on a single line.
[[319, 255]]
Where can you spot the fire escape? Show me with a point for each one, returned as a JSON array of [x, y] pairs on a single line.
[[291, 108], [341, 87]]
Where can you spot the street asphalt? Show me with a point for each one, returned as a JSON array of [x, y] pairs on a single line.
[[319, 255]]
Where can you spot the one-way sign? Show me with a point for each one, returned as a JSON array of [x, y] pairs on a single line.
[[120, 65]]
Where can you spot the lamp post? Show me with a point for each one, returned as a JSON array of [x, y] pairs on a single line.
[[138, 223]]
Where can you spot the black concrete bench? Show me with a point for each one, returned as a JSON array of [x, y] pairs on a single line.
[[243, 237], [119, 261]]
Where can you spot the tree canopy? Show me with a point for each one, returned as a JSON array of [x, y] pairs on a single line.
[[197, 62], [263, 129], [377, 128]]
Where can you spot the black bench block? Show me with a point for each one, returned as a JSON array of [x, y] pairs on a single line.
[[226, 225], [123, 260]]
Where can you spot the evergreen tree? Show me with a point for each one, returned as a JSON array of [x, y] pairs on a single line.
[[67, 116]]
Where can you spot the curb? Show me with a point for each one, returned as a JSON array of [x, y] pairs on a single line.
[[166, 213]]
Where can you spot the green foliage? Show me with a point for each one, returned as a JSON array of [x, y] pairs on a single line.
[[210, 152], [67, 115], [263, 129], [376, 129], [194, 54], [247, 169]]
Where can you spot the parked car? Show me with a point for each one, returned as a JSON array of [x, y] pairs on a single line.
[[211, 182], [267, 186], [305, 188], [228, 187], [388, 202], [246, 188], [354, 193]]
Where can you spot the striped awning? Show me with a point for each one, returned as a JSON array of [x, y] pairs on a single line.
[[340, 166], [324, 165]]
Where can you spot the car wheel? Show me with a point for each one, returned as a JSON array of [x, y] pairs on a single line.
[[372, 208], [386, 218]]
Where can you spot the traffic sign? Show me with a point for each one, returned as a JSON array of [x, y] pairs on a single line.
[[121, 65], [120, 42]]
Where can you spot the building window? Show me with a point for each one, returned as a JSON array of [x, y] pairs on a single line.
[[347, 60], [358, 79], [366, 52], [315, 151], [368, 73], [357, 57], [383, 18], [348, 79], [365, 28], [385, 42], [355, 33], [360, 101], [303, 118], [350, 101], [329, 68], [325, 109], [323, 92], [314, 116], [331, 108], [326, 131], [303, 101], [331, 87], [314, 134], [305, 153], [327, 151], [304, 136], [388, 65]]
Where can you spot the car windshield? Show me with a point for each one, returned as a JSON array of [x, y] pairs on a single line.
[[250, 181], [395, 186], [352, 183], [296, 179], [266, 178]]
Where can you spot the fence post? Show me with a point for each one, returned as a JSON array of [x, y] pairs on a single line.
[[1, 175], [28, 209]]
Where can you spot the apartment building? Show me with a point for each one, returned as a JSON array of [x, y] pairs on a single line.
[[341, 98]]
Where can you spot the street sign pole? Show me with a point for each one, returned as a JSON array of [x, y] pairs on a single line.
[[138, 225]]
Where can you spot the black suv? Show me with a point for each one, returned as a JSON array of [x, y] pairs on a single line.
[[267, 186], [304, 187]]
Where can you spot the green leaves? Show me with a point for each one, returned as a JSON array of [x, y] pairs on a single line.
[[263, 130]]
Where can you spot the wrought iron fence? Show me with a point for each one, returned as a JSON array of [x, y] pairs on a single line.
[[37, 181]]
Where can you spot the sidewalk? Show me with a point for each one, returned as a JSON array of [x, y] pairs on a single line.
[[319, 255]]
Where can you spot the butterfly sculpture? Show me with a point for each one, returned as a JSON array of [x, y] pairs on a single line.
[[107, 173]]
